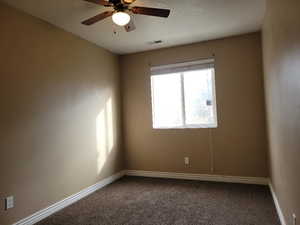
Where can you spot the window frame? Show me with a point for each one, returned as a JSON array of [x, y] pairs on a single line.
[[182, 91]]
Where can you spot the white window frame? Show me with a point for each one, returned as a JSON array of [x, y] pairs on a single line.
[[181, 68]]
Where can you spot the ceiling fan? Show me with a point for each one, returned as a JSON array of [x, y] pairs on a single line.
[[120, 10]]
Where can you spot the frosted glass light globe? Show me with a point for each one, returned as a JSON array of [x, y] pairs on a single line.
[[121, 18]]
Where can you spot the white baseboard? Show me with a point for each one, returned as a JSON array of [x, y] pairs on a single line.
[[202, 177], [278, 208], [42, 214]]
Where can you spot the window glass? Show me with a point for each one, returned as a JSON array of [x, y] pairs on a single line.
[[166, 99], [184, 99], [198, 95]]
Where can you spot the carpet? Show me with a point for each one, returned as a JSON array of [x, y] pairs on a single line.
[[154, 201]]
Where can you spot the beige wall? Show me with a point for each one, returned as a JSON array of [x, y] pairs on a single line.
[[281, 40], [59, 114], [238, 144]]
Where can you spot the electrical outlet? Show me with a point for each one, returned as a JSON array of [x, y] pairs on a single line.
[[294, 219], [9, 202], [186, 160]]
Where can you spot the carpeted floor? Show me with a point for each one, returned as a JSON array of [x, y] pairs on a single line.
[[150, 201]]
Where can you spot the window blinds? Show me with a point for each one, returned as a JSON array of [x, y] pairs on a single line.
[[182, 67]]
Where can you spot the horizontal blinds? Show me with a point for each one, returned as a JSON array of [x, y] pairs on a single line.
[[182, 67]]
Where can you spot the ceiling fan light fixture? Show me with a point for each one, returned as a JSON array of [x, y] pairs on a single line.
[[128, 1], [121, 18]]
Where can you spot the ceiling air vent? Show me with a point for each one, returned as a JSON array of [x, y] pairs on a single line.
[[156, 42]]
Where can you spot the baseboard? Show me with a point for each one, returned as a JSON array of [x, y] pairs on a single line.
[[278, 208], [38, 216], [202, 177]]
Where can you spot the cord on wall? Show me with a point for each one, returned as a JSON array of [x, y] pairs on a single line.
[[211, 151]]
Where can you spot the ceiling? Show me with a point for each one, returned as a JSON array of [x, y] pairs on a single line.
[[190, 21]]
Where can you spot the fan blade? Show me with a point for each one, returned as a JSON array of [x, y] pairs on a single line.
[[97, 18], [151, 11], [130, 26], [100, 2]]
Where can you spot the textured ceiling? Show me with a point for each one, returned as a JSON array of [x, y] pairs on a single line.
[[190, 21]]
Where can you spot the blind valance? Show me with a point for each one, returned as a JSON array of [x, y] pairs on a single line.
[[182, 67]]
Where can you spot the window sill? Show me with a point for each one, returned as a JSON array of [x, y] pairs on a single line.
[[186, 127]]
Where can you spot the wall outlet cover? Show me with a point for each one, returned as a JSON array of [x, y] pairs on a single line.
[[186, 160], [9, 202]]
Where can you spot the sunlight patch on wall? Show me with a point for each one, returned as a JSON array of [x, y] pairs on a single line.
[[104, 134], [109, 124]]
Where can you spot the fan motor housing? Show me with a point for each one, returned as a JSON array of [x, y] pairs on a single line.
[[115, 2], [118, 5]]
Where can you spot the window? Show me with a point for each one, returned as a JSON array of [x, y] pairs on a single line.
[[183, 95]]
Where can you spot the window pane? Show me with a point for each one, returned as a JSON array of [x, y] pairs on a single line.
[[199, 97], [166, 100]]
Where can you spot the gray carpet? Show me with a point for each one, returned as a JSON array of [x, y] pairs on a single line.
[[150, 201]]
